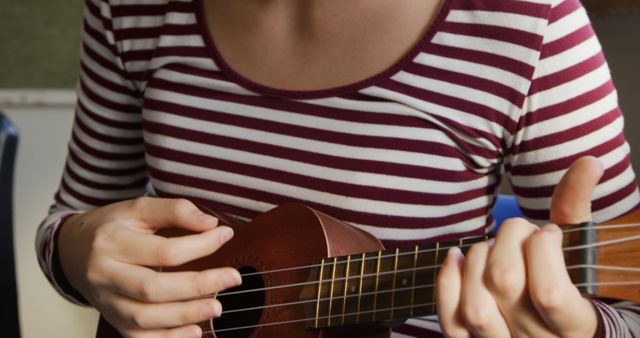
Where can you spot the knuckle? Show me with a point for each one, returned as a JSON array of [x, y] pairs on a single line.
[[477, 317], [140, 203], [183, 207], [102, 239], [139, 319], [505, 280], [94, 276], [548, 299], [148, 289], [167, 255], [564, 211], [221, 283], [517, 224], [202, 284]]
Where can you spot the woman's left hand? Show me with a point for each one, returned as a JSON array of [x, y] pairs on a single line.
[[519, 286]]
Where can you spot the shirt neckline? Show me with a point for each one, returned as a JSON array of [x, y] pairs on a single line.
[[266, 90]]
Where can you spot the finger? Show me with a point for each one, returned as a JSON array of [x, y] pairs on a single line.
[[479, 309], [136, 315], [448, 289], [158, 213], [557, 300], [506, 272], [153, 250], [506, 277], [147, 285], [571, 201]]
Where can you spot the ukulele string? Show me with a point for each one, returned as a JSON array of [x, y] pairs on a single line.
[[274, 287], [621, 283], [292, 321], [603, 227], [572, 267], [413, 288], [604, 267], [602, 243], [344, 298], [356, 260], [393, 308]]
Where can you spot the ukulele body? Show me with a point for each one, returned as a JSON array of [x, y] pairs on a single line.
[[291, 235]]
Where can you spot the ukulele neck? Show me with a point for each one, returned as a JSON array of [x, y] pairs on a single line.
[[376, 287], [392, 285]]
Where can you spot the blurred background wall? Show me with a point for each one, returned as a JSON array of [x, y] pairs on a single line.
[[38, 69]]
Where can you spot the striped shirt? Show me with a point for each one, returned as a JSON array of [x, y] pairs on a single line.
[[413, 154]]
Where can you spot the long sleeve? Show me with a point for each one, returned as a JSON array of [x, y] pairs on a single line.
[[572, 111], [619, 319], [105, 161]]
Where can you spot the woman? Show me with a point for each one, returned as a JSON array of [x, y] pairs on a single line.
[[398, 117]]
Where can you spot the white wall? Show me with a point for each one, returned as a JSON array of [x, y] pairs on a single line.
[[41, 151]]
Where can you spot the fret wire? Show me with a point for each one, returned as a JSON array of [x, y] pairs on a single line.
[[346, 287], [319, 292], [362, 262], [333, 279], [435, 263], [393, 283], [375, 297], [413, 278]]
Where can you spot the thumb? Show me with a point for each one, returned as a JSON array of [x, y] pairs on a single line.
[[571, 201]]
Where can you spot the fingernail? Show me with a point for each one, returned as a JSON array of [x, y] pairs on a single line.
[[491, 241], [225, 234], [230, 279], [454, 256], [217, 309], [235, 278]]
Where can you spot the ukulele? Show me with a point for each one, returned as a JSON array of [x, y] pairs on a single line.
[[306, 274]]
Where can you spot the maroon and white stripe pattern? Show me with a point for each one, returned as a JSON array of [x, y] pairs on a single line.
[[620, 319], [412, 154]]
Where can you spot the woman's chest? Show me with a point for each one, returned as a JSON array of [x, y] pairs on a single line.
[[317, 44], [400, 169]]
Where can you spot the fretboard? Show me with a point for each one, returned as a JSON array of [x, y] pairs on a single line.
[[375, 287]]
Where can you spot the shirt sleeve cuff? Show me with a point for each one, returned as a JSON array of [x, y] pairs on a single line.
[[601, 310], [50, 262]]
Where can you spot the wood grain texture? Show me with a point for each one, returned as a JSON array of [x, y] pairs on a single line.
[[625, 255]]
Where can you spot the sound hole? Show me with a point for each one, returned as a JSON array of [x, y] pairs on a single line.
[[239, 298]]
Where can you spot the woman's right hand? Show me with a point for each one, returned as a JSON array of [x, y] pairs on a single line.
[[109, 255]]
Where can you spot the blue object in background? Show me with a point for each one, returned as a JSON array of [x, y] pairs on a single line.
[[506, 207]]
